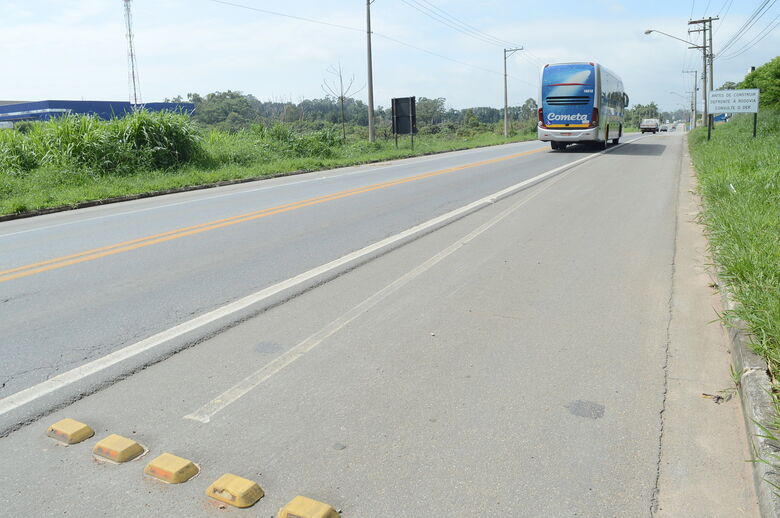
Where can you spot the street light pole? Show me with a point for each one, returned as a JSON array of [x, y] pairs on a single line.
[[371, 131], [507, 53], [694, 46]]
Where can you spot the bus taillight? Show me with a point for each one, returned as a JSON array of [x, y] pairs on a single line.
[[594, 120], [541, 118]]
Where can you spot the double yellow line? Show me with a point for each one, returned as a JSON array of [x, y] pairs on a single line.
[[126, 246]]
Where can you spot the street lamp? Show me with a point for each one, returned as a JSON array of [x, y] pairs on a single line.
[[692, 46], [648, 31]]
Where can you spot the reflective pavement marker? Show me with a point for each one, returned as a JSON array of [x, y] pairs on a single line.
[[70, 431], [303, 507], [235, 490], [171, 469], [118, 449]]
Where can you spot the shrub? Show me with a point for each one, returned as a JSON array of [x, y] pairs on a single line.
[[139, 141]]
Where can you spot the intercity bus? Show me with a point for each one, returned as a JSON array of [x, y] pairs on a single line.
[[580, 102]]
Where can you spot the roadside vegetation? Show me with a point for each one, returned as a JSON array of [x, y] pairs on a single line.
[[739, 180], [74, 159]]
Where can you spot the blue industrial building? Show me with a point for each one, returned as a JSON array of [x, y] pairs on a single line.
[[44, 110]]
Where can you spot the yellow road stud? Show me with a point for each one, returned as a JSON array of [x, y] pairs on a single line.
[[70, 431], [236, 491], [170, 468], [118, 449], [302, 507]]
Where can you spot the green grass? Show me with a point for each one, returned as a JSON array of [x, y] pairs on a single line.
[[77, 159], [739, 180]]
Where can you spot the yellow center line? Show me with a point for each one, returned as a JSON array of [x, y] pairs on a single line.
[[125, 246]]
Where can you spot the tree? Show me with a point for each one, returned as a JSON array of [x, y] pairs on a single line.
[[488, 115], [231, 108], [470, 119], [767, 79], [338, 91], [529, 110], [728, 85], [633, 116], [430, 111]]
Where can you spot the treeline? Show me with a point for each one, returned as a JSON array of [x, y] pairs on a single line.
[[636, 113], [767, 79], [234, 111]]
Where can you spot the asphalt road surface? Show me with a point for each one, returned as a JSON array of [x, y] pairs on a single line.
[[77, 286], [335, 339]]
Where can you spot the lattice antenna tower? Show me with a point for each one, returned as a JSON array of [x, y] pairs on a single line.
[[132, 66]]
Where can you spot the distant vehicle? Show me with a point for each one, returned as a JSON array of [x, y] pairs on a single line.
[[649, 125], [580, 102], [664, 128]]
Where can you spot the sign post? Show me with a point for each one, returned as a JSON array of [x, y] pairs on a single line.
[[735, 101], [404, 117]]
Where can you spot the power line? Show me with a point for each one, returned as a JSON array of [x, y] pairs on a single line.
[[477, 67], [722, 18], [355, 29], [500, 41], [284, 15], [760, 11], [443, 17], [766, 31]]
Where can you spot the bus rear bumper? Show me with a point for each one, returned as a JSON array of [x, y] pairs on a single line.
[[567, 135]]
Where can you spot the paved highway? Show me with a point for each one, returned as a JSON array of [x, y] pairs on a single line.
[[76, 286], [481, 332]]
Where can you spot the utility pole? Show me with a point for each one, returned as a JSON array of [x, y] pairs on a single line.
[[695, 87], [711, 56], [507, 53], [707, 55], [371, 131]]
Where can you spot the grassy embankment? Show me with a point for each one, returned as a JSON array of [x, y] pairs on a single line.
[[78, 158], [739, 179]]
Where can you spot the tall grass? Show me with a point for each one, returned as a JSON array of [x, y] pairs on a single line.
[[739, 179], [142, 140]]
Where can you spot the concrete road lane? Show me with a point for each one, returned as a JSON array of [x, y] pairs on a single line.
[[79, 285], [512, 363]]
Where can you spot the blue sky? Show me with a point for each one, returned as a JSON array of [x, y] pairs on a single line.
[[55, 49]]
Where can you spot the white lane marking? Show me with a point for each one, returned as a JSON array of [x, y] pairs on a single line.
[[364, 169], [76, 374], [210, 409]]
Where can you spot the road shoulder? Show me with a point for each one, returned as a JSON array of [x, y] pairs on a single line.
[[703, 470]]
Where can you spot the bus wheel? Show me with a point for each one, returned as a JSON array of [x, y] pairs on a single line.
[[615, 141], [554, 145]]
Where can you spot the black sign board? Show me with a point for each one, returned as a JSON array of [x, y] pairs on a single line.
[[404, 116]]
